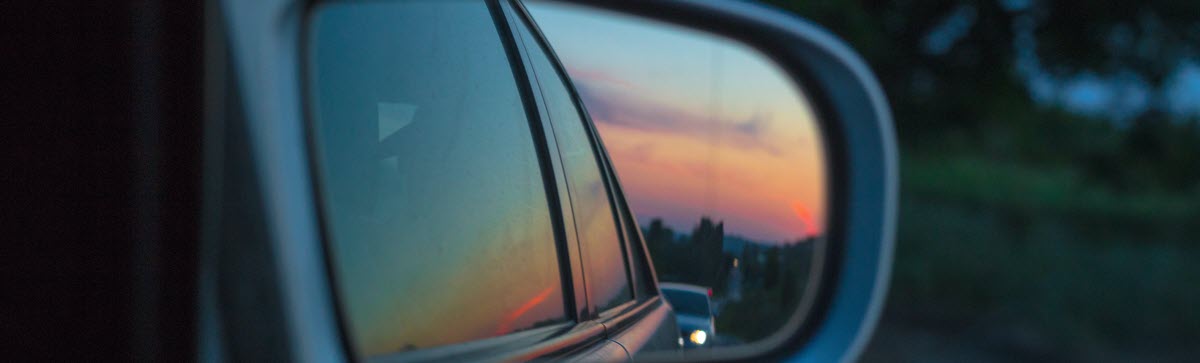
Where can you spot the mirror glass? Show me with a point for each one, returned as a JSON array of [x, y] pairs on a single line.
[[720, 157], [470, 206]]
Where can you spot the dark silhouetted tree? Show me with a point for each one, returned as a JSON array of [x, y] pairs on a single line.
[[771, 271]]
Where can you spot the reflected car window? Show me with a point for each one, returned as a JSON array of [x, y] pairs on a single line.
[[608, 283], [687, 302], [436, 208]]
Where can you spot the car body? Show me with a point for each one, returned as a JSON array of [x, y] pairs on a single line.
[[693, 312]]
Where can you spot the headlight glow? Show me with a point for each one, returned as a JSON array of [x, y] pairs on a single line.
[[698, 337]]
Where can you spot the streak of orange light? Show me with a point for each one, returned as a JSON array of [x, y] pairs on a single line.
[[805, 217], [506, 324]]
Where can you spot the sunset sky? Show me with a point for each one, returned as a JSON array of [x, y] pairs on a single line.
[[696, 125]]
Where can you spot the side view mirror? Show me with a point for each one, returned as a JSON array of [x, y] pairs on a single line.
[[746, 157], [473, 180]]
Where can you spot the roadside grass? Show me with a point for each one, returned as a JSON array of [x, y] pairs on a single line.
[[1008, 249]]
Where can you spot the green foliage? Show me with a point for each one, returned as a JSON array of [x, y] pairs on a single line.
[[1065, 235]]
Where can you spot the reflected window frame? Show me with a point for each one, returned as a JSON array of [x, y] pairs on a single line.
[[626, 228]]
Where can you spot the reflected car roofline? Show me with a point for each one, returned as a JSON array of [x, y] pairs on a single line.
[[683, 287]]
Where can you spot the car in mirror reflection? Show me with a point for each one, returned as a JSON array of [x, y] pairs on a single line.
[[693, 313]]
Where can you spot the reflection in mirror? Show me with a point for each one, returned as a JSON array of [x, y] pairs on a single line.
[[720, 157]]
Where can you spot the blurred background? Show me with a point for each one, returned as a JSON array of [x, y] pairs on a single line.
[[1050, 153]]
